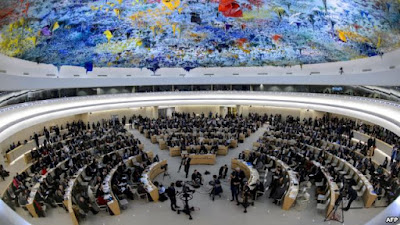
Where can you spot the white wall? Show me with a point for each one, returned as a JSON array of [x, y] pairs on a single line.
[[197, 109]]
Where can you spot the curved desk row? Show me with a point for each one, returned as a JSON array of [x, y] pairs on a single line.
[[333, 188], [381, 145], [250, 172], [68, 196], [293, 188], [148, 176], [28, 155], [369, 195], [113, 204], [30, 145]]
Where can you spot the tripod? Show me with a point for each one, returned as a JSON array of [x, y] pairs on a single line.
[[332, 213], [186, 196], [246, 195]]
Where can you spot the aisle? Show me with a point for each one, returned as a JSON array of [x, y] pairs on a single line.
[[175, 161]]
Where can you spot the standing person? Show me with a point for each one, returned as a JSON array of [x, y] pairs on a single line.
[[36, 138], [187, 166], [130, 123], [352, 195], [217, 189], [235, 183], [223, 171], [171, 192], [183, 160], [394, 154]]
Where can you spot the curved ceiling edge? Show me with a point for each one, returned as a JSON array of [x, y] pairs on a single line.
[[16, 118]]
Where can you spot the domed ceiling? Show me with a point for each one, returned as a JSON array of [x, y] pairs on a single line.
[[197, 33]]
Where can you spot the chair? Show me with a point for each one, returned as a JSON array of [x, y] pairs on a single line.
[[122, 202], [101, 207], [270, 164], [321, 183], [339, 167], [322, 206], [302, 202], [81, 182], [279, 201], [322, 197], [361, 192], [358, 186], [344, 171], [350, 175], [335, 161], [329, 159], [141, 196]]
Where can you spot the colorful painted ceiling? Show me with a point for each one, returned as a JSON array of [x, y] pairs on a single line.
[[197, 33]]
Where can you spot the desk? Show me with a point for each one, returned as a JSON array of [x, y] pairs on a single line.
[[241, 137], [162, 144], [148, 176], [113, 203], [206, 159], [333, 188], [174, 151], [381, 145], [68, 196], [233, 144], [35, 188], [222, 150], [369, 194], [293, 188], [153, 139], [31, 144], [251, 173]]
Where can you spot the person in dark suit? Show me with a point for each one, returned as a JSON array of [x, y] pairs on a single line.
[[279, 191], [235, 184], [85, 206], [352, 195], [223, 171], [183, 161], [36, 138], [187, 166], [171, 192]]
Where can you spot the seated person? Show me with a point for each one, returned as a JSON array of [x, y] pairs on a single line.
[[59, 195], [162, 194], [279, 191], [100, 196], [86, 206], [197, 178], [203, 149]]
